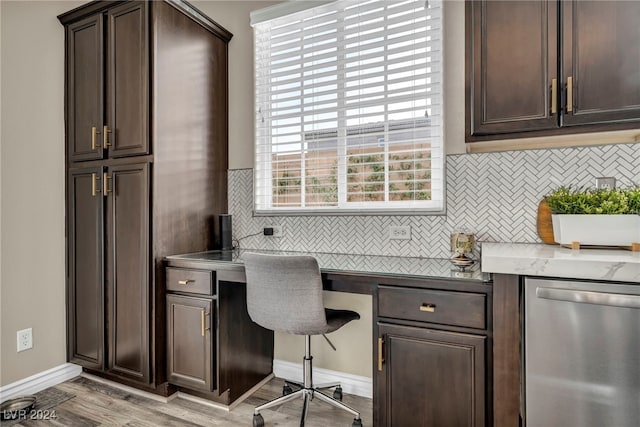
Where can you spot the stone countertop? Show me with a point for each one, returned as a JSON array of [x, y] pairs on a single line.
[[422, 268], [528, 259]]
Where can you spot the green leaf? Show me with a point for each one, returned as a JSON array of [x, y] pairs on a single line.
[[570, 200]]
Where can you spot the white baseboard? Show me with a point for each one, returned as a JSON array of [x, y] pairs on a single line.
[[352, 384], [40, 381]]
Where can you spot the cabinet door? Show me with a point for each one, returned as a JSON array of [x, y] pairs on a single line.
[[189, 342], [128, 270], [85, 268], [511, 66], [600, 42], [84, 89], [128, 81], [430, 378]]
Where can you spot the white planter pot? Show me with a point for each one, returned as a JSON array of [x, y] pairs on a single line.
[[602, 230]]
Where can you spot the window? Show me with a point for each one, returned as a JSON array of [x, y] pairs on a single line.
[[349, 107]]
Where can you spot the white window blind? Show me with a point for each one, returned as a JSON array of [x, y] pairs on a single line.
[[349, 109]]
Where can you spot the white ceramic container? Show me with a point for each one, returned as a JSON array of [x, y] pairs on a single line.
[[602, 230]]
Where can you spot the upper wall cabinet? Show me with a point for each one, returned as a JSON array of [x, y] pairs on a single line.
[[601, 61], [107, 84], [539, 68]]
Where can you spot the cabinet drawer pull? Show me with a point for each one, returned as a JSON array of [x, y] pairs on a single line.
[[569, 94], [429, 308], [380, 349], [185, 282], [554, 96], [94, 138]]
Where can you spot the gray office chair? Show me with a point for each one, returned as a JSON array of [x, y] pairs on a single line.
[[284, 293]]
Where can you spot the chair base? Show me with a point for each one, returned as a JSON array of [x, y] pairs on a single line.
[[307, 391]]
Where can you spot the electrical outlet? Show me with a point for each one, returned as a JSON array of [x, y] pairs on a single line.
[[277, 230], [605, 183], [400, 232], [25, 339]]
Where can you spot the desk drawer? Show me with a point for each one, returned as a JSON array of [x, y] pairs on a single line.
[[424, 305], [193, 281]]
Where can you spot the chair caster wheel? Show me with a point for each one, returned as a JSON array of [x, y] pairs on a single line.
[[357, 422], [286, 389], [337, 394], [258, 421]]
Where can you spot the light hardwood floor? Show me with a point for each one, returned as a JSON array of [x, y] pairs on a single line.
[[83, 402]]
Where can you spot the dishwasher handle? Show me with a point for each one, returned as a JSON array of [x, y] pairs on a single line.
[[589, 297]]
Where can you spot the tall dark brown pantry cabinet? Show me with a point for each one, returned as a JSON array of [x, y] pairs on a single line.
[[146, 160]]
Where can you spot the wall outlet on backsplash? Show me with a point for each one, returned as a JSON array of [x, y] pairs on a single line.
[[273, 231], [400, 232], [605, 183]]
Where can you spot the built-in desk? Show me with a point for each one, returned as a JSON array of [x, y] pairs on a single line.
[[334, 265], [432, 328]]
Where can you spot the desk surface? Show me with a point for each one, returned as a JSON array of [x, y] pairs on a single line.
[[405, 267]]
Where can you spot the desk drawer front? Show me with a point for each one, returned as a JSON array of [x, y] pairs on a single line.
[[192, 281], [423, 305]]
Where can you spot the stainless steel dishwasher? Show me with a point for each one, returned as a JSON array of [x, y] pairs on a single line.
[[582, 354]]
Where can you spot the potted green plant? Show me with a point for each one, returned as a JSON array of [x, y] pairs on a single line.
[[595, 216]]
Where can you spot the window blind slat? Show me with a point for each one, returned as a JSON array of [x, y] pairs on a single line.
[[327, 69]]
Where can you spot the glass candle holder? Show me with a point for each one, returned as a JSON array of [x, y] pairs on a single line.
[[462, 244]]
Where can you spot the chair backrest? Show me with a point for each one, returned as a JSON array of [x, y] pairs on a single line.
[[284, 293]]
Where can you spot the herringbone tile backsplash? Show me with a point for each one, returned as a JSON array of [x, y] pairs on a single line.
[[494, 195]]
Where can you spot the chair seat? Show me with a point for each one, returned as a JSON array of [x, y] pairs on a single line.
[[338, 318]]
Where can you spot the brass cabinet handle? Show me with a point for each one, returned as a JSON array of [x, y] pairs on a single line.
[[94, 184], [94, 138], [105, 136], [105, 184], [569, 94], [203, 322], [185, 282], [429, 308], [380, 349], [554, 96]]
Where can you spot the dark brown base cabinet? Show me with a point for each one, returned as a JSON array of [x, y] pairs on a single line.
[[190, 342], [424, 374], [214, 349], [431, 378], [146, 162]]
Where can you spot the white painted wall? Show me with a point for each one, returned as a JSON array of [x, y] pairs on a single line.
[[32, 273]]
